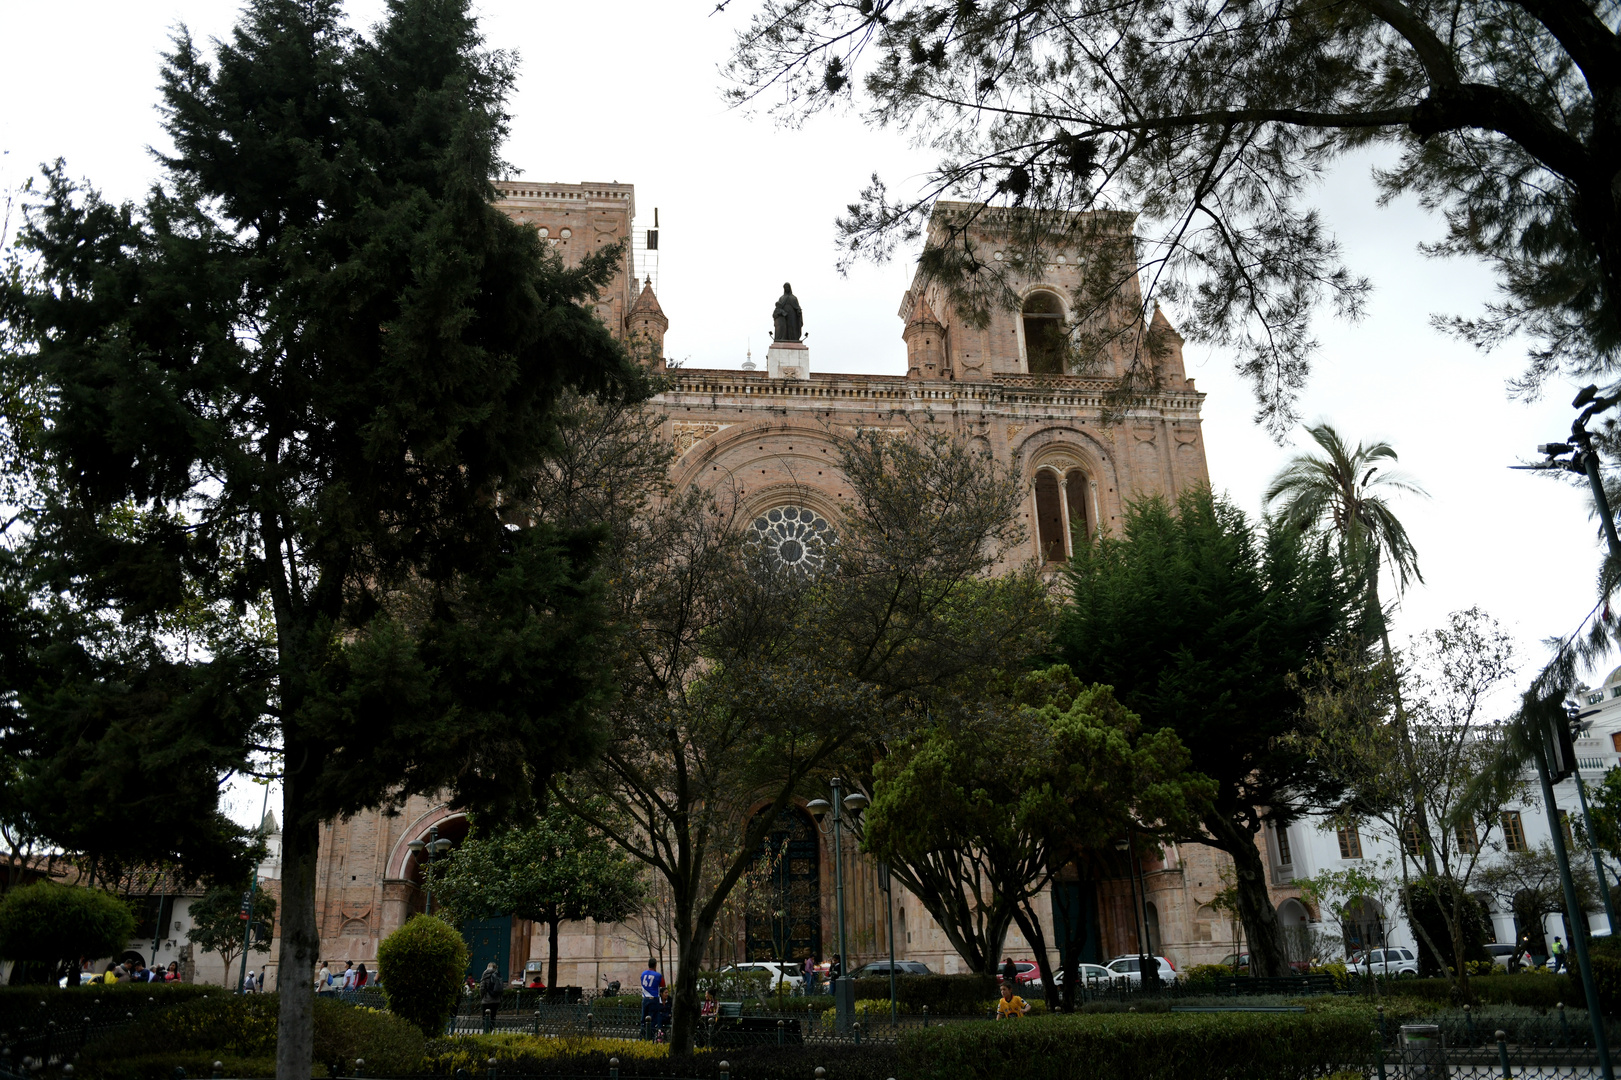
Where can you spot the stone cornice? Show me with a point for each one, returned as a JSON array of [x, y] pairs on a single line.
[[897, 391]]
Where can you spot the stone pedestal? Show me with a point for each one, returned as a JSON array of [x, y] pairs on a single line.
[[788, 360]]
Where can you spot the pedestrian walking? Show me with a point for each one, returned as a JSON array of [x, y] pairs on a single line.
[[323, 979], [361, 976], [1010, 971], [1559, 956], [489, 988], [348, 975], [652, 983]]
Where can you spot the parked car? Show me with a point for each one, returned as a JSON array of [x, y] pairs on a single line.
[[1393, 961], [776, 974], [1241, 961], [1501, 955], [1092, 976], [1126, 970], [880, 969], [1028, 975]]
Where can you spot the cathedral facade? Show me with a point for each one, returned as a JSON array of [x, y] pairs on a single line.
[[768, 438]]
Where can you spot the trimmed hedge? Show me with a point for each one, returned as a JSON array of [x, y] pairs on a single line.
[[242, 1031], [945, 995], [589, 1057], [1187, 1046], [31, 1006], [1538, 991]]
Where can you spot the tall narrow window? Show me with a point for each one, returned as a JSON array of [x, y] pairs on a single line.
[[1078, 495], [1049, 517], [1468, 838], [1350, 842], [1044, 334], [1513, 831], [1411, 839], [1285, 856]]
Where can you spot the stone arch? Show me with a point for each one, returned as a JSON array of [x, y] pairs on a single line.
[[452, 825], [1064, 468], [1363, 925], [721, 455], [1294, 927], [1043, 329]]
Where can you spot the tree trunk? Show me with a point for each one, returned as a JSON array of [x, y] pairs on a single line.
[[551, 956], [300, 936], [1030, 926], [1255, 910], [684, 994]]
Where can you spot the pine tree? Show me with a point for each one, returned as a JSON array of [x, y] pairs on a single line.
[[292, 394]]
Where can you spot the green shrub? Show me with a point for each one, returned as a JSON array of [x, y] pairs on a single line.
[[1539, 991], [421, 966], [243, 1028], [446, 1054], [945, 995], [1423, 904], [1188, 1046], [50, 924], [32, 1006], [524, 1054], [1607, 980], [1208, 973]]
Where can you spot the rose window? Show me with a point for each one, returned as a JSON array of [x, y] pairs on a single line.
[[792, 537]]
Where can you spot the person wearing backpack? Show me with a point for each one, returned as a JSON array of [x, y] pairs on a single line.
[[489, 988]]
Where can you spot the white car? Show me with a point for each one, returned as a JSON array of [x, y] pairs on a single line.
[[1125, 970], [1092, 976], [1393, 961], [777, 975]]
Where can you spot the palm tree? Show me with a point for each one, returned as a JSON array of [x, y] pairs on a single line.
[[1346, 492]]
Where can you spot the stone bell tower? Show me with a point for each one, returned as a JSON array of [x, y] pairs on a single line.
[[645, 326]]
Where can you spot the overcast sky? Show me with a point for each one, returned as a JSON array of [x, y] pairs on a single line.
[[628, 91]]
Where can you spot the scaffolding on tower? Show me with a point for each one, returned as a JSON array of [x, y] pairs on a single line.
[[644, 249]]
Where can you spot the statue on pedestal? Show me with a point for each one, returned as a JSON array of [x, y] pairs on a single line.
[[788, 321]]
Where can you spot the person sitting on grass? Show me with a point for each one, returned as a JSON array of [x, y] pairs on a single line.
[[1012, 1006]]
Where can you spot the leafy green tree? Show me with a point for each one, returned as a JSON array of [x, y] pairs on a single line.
[[421, 966], [219, 924], [745, 682], [1212, 123], [977, 819], [54, 925], [1443, 745], [1527, 883], [1198, 621], [294, 394], [555, 869]]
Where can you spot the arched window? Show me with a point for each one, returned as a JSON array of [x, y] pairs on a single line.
[[1044, 334], [1050, 517], [1078, 494], [1151, 917]]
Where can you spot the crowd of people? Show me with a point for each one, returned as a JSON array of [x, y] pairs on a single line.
[[351, 977], [130, 971]]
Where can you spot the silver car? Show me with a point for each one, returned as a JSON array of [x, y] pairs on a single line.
[[1125, 970], [1392, 961]]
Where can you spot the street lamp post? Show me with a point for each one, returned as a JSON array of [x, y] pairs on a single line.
[[855, 802], [433, 847], [889, 909]]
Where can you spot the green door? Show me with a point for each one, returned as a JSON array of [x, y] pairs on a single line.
[[487, 940]]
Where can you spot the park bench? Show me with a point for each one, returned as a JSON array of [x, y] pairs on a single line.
[[1291, 985]]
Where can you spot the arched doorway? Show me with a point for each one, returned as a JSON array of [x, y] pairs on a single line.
[[1295, 930], [1364, 925], [782, 892]]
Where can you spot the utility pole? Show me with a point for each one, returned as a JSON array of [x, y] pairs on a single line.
[[1578, 917]]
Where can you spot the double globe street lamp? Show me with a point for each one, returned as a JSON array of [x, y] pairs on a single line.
[[434, 847], [854, 803]]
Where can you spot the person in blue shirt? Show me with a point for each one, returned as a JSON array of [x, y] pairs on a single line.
[[652, 983]]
